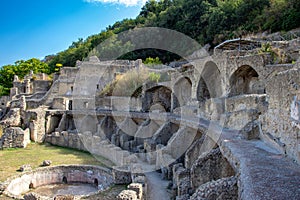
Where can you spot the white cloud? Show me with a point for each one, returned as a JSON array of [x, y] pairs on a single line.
[[124, 2]]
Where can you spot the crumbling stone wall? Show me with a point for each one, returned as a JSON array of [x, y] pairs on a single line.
[[127, 195], [224, 66], [65, 139], [208, 167], [159, 95], [165, 132], [280, 124], [37, 124], [32, 83], [12, 118], [225, 188], [3, 102], [41, 85], [200, 146], [15, 137]]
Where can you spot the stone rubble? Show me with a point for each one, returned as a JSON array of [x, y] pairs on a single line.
[[46, 163], [225, 188], [25, 168]]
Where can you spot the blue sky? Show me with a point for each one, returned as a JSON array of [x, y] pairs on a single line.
[[36, 28]]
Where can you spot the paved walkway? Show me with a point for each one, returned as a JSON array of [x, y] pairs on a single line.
[[264, 173], [157, 189]]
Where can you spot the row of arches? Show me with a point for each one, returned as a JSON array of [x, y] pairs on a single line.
[[244, 80]]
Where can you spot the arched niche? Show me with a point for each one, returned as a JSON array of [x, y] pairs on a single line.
[[182, 92], [157, 98], [210, 82], [245, 80]]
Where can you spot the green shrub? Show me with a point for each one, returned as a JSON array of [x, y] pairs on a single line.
[[152, 61], [278, 56], [154, 77]]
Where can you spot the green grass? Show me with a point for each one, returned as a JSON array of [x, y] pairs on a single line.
[[35, 154]]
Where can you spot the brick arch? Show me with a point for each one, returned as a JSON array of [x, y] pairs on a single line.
[[182, 92], [256, 62], [245, 80], [189, 76], [210, 82]]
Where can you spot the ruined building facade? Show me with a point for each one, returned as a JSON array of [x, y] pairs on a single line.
[[221, 127]]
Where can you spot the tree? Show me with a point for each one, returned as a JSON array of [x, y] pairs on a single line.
[[207, 21], [113, 48], [20, 68], [3, 91]]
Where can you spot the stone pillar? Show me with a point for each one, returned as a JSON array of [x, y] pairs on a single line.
[[138, 63], [27, 87], [23, 103], [16, 78], [174, 101]]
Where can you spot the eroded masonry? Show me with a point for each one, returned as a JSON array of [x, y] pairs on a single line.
[[224, 126]]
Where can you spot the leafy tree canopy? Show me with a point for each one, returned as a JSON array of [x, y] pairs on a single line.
[[207, 21], [20, 68]]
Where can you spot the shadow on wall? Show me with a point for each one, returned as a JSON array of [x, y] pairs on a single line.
[[158, 97], [245, 80], [210, 82]]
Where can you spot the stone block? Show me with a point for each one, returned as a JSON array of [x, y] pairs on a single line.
[[15, 137], [225, 188], [208, 167], [46, 163], [127, 195], [121, 175], [184, 186], [138, 188], [25, 168]]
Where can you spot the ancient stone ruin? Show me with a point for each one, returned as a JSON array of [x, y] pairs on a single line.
[[221, 126]]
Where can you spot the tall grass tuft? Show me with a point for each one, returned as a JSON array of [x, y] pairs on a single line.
[[127, 84], [131, 81]]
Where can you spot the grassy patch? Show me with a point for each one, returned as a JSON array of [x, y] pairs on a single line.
[[35, 154]]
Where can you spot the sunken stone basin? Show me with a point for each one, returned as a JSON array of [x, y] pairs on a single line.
[[83, 175]]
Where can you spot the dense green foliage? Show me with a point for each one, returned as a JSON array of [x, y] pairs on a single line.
[[20, 68], [207, 21]]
